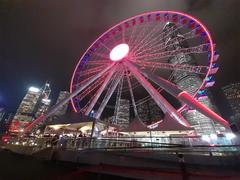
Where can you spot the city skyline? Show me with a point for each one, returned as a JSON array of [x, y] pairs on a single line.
[[140, 89], [66, 44]]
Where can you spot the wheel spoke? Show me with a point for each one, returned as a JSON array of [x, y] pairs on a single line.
[[56, 107], [92, 71], [156, 96], [132, 96], [139, 36], [158, 38], [119, 93], [147, 37], [108, 95], [100, 91], [163, 45], [179, 67], [99, 62], [203, 48], [90, 89]]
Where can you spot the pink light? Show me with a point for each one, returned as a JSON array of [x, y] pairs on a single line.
[[133, 22], [119, 52], [189, 100]]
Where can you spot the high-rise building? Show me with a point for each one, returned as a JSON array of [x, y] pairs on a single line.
[[44, 101], [189, 82], [2, 113], [63, 109], [232, 95], [6, 122], [122, 113], [34, 104], [43, 106], [149, 112]]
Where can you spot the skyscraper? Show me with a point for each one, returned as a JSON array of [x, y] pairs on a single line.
[[232, 95], [189, 82], [62, 110], [44, 101], [149, 112], [34, 104], [2, 113], [122, 113]]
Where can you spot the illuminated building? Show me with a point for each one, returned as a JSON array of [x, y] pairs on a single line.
[[44, 102], [34, 104], [2, 113], [189, 82], [122, 113], [63, 109], [232, 95], [149, 112], [43, 106]]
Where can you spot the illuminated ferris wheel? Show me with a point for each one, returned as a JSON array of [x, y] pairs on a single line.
[[140, 58]]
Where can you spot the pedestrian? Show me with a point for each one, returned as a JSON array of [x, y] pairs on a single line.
[[182, 166]]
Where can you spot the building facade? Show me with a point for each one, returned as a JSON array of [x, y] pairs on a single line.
[[188, 82], [63, 109], [44, 102], [2, 113], [149, 112], [122, 114], [232, 96], [34, 104]]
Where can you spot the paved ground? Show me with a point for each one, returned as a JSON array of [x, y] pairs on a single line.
[[19, 167], [14, 166]]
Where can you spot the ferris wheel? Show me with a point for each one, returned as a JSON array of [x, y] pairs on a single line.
[[142, 58], [134, 60]]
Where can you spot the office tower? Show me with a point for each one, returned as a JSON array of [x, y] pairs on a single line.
[[62, 95], [44, 101], [149, 112], [34, 104], [189, 82], [2, 113], [232, 96], [122, 113]]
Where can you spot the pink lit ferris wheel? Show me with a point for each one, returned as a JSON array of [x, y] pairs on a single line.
[[145, 57], [152, 56]]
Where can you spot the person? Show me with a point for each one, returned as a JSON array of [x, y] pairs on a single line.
[[84, 140], [80, 134], [63, 142], [182, 166], [54, 140], [79, 140]]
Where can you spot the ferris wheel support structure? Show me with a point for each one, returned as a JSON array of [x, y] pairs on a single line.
[[64, 101], [156, 96], [179, 94]]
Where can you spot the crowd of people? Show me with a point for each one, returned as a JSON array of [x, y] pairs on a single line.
[[64, 141]]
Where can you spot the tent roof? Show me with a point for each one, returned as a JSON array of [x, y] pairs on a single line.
[[169, 124], [70, 118], [136, 125]]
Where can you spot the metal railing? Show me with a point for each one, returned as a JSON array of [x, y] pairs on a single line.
[[163, 144]]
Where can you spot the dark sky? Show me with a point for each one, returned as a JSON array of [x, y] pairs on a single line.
[[43, 39]]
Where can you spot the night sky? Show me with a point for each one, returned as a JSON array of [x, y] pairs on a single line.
[[43, 40]]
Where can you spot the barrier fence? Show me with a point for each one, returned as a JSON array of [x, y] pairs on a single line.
[[164, 144]]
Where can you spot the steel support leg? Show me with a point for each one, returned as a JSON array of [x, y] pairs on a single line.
[[132, 96], [181, 95], [64, 101], [99, 92], [107, 97], [156, 96]]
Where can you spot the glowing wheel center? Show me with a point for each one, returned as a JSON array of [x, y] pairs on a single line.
[[119, 52]]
